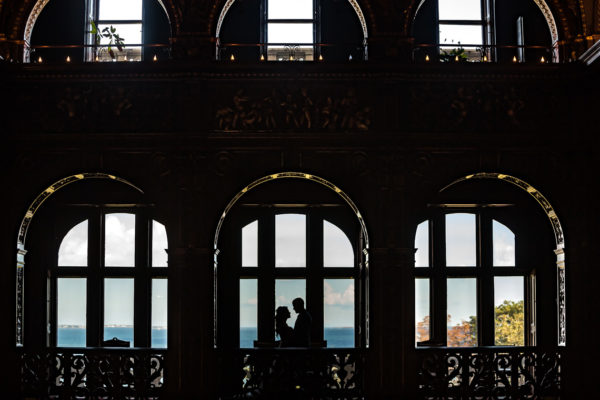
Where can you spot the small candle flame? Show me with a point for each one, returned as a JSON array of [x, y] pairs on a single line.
[[68, 59]]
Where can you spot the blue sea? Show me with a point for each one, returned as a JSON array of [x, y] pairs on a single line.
[[75, 337], [335, 337]]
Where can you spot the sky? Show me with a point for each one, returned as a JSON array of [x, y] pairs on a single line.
[[338, 299], [119, 293], [460, 251]]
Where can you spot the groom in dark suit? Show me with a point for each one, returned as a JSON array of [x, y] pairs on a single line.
[[302, 326]]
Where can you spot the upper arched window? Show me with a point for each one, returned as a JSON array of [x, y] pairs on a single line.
[[291, 30], [65, 28], [482, 30], [109, 279]]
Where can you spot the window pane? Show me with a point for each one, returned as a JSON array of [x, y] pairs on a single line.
[[119, 245], [250, 245], [338, 312], [453, 35], [73, 248], [290, 9], [159, 313], [290, 240], [337, 249], [248, 312], [422, 318], [422, 245], [120, 9], [462, 312], [130, 33], [290, 33], [460, 240], [286, 290], [71, 312], [459, 9], [118, 309], [509, 311], [160, 245], [504, 245]]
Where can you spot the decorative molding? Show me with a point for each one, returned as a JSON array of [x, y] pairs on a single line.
[[549, 19], [33, 16], [35, 205]]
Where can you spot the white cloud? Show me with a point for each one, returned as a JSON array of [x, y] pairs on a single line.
[[333, 297]]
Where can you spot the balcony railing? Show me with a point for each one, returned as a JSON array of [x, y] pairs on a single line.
[[493, 372], [282, 373], [457, 52], [100, 373]]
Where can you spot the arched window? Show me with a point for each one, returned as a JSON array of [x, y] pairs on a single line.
[[478, 284], [66, 29], [109, 278], [273, 252], [285, 253], [284, 30], [483, 30], [477, 269]]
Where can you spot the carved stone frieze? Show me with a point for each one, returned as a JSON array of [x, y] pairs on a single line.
[[293, 109]]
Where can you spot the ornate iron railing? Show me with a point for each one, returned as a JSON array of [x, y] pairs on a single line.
[[294, 373], [99, 373], [489, 373]]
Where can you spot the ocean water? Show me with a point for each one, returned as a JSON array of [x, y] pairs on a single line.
[[335, 337], [75, 337]]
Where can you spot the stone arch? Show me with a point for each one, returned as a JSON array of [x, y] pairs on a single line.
[[23, 228], [558, 236], [37, 9], [293, 175], [542, 5]]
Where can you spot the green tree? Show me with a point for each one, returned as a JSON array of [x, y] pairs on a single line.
[[510, 323]]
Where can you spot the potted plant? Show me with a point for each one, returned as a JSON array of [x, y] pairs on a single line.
[[109, 33]]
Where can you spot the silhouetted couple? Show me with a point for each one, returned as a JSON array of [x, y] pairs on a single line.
[[299, 336]]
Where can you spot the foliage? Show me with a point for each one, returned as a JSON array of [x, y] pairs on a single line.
[[110, 33], [449, 56], [509, 327]]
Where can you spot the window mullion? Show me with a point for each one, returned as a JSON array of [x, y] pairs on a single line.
[[266, 281], [485, 283], [438, 283], [314, 272], [95, 281], [142, 291]]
